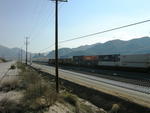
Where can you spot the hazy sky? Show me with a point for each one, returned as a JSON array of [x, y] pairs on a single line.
[[35, 19]]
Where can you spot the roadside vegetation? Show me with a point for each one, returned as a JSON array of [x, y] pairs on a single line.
[[2, 60], [39, 96]]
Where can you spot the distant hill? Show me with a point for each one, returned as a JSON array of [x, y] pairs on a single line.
[[134, 46], [9, 53], [2, 60]]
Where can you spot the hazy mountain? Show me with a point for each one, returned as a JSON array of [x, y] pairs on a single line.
[[10, 53], [135, 46], [62, 52]]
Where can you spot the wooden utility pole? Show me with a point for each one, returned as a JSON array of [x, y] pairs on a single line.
[[30, 59], [21, 54], [56, 43], [27, 50]]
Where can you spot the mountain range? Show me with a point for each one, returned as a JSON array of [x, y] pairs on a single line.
[[10, 53], [134, 46]]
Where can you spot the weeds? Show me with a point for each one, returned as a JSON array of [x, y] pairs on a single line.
[[115, 108], [21, 66], [10, 106], [85, 108], [39, 94], [70, 98], [3, 60], [8, 85], [12, 67]]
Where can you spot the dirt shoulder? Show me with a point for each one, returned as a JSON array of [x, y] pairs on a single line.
[[24, 90]]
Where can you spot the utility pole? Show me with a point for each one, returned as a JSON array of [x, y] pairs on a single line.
[[18, 56], [30, 59], [21, 55], [26, 50], [56, 43]]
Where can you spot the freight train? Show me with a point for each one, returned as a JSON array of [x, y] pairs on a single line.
[[117, 61]]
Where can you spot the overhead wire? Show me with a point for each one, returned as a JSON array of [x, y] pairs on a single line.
[[39, 19], [100, 32], [50, 15], [36, 9]]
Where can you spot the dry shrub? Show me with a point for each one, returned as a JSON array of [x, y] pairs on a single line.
[[85, 108], [50, 96], [71, 99], [39, 93], [29, 77], [21, 66], [2, 59], [115, 108], [10, 106], [12, 67], [9, 84]]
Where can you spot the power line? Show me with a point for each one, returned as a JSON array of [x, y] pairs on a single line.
[[101, 32], [27, 50], [50, 16], [40, 23], [46, 48]]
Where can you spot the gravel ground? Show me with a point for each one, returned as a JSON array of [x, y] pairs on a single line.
[[7, 74], [4, 67]]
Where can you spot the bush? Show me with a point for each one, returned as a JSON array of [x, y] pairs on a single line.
[[71, 99], [10, 106], [85, 108], [21, 66], [2, 59], [38, 94], [12, 67], [115, 108], [8, 85]]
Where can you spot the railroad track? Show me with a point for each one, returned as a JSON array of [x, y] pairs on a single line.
[[112, 75], [130, 92]]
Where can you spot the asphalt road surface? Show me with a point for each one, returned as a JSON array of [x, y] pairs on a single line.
[[4, 69]]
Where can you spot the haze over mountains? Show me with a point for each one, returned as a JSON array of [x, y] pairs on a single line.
[[9, 53], [135, 46]]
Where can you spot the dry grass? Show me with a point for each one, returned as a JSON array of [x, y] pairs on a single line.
[[115, 108], [21, 66], [12, 67], [66, 97], [9, 84], [39, 93], [10, 106], [2, 60]]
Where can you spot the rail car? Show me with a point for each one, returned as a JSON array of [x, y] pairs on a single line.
[[138, 61], [40, 60]]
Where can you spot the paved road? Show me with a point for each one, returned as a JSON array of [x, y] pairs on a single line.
[[134, 93], [4, 68]]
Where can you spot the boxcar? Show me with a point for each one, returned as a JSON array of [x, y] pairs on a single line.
[[77, 60], [109, 60], [137, 61], [51, 61], [85, 60], [90, 60]]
